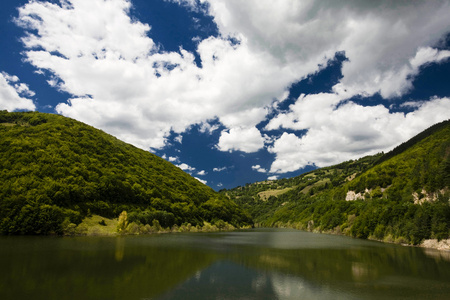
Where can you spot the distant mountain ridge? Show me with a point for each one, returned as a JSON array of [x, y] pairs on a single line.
[[55, 171], [401, 196]]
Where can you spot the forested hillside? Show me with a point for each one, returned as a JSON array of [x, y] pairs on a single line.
[[55, 171], [400, 196]]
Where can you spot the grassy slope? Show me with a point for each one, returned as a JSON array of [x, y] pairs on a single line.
[[277, 192]]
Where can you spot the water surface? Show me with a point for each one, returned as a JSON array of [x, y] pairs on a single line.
[[252, 264]]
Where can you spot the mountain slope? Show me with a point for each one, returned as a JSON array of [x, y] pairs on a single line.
[[55, 169], [401, 196]]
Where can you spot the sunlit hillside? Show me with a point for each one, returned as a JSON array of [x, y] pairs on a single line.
[[55, 171], [399, 196]]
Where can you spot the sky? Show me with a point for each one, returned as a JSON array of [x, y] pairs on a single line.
[[233, 92]]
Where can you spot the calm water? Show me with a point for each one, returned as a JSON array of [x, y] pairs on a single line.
[[254, 264]]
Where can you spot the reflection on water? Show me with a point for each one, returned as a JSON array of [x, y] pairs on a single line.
[[120, 249], [439, 255], [227, 280], [94, 268], [253, 264]]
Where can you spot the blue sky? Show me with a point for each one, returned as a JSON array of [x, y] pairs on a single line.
[[232, 91]]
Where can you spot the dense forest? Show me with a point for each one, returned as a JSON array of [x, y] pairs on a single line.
[[55, 171], [401, 196]]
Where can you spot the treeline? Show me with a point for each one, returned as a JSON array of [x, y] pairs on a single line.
[[401, 197], [55, 171]]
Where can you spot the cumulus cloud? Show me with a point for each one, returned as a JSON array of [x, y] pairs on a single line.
[[186, 167], [378, 37], [243, 139], [428, 55], [202, 173], [349, 131], [14, 95], [259, 169], [394, 83], [121, 82]]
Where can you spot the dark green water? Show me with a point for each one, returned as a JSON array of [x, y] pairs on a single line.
[[253, 264]]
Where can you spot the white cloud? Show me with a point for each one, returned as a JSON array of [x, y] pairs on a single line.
[[173, 159], [219, 169], [308, 111], [347, 132], [13, 94], [243, 139], [186, 167], [201, 180], [259, 169], [378, 37], [245, 118], [206, 127], [242, 135], [202, 173], [428, 55], [394, 83], [272, 177], [178, 138]]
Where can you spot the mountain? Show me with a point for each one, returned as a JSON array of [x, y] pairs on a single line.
[[401, 196], [55, 171]]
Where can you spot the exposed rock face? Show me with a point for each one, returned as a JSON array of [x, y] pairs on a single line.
[[424, 196], [352, 196], [440, 245], [427, 197]]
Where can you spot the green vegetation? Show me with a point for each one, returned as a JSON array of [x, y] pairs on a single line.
[[262, 198], [92, 225], [402, 196], [56, 171]]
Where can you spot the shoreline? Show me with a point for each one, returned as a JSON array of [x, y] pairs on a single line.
[[442, 245], [96, 225]]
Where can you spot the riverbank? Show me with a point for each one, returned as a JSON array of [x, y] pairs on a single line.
[[442, 245], [95, 225]]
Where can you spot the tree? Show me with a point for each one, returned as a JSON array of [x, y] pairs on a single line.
[[123, 222]]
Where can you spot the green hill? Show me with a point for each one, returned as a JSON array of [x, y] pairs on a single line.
[[399, 196], [55, 171]]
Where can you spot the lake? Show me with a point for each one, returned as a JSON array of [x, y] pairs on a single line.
[[250, 264]]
